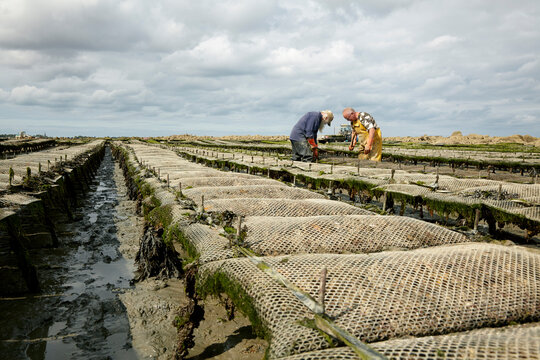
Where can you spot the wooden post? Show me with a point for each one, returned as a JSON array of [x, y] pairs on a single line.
[[239, 231], [322, 289], [168, 183], [332, 168], [202, 204], [294, 180], [309, 166], [477, 214], [499, 193], [384, 201]]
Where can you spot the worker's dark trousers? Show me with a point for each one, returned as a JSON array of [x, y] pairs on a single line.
[[301, 151]]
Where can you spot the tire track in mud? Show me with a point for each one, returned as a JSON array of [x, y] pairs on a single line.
[[83, 317]]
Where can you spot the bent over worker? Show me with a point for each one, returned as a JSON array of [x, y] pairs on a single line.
[[366, 129], [304, 135]]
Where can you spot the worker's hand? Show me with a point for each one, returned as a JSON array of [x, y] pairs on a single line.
[[351, 147], [312, 143], [367, 149], [315, 152]]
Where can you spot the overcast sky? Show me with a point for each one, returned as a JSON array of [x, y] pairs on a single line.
[[162, 67]]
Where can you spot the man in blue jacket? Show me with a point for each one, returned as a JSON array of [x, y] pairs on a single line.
[[304, 135]]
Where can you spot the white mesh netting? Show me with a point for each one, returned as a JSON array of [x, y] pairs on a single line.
[[379, 296], [227, 181], [283, 207], [343, 234], [507, 343], [249, 191], [209, 244], [392, 294], [450, 189]]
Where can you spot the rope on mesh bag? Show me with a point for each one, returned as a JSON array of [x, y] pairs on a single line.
[[322, 321]]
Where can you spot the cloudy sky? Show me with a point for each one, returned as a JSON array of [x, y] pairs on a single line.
[[207, 67]]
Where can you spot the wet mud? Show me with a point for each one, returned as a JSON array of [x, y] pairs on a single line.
[[78, 314]]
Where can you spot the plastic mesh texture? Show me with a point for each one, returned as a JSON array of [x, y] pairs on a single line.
[[209, 244], [450, 189], [205, 172], [228, 181], [393, 294], [283, 207], [509, 343], [249, 191], [343, 234]]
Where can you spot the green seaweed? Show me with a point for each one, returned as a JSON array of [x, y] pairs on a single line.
[[218, 283], [174, 233], [160, 216]]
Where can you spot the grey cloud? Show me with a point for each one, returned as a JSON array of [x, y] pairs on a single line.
[[198, 67]]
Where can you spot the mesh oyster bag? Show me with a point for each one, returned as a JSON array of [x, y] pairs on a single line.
[[387, 295], [343, 234], [207, 242], [283, 207], [249, 191], [508, 343], [227, 181]]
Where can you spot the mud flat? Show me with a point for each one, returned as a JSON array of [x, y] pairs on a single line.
[[152, 304], [77, 314], [36, 195]]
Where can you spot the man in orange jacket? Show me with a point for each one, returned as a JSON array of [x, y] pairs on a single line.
[[304, 135]]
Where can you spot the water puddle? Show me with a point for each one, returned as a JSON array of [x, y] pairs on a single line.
[[78, 315]]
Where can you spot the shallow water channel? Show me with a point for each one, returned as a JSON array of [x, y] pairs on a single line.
[[78, 314]]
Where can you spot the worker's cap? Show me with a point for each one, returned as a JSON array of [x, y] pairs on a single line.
[[329, 116]]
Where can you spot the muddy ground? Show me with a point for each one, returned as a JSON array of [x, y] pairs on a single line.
[[91, 309], [78, 314], [153, 304]]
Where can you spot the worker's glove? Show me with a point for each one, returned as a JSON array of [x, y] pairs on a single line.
[[314, 148], [351, 147]]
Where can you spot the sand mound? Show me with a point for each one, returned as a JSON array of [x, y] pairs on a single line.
[[473, 139]]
